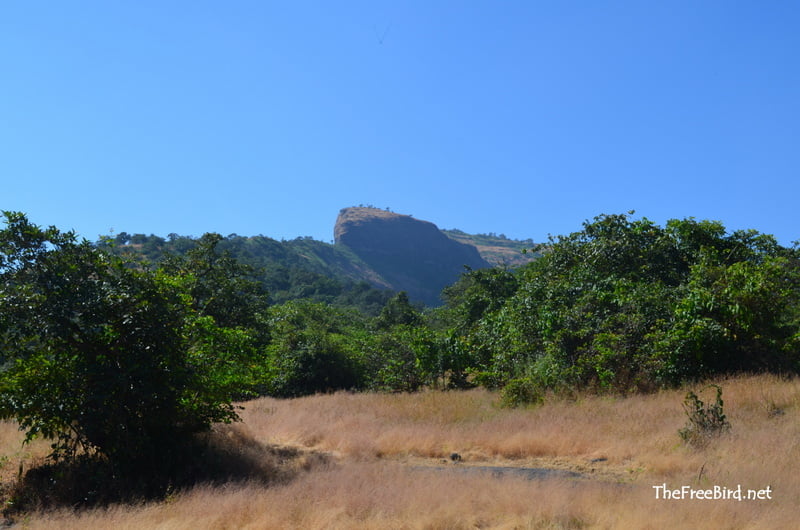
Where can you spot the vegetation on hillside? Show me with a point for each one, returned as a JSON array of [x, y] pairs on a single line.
[[621, 305], [113, 356], [301, 268], [497, 249]]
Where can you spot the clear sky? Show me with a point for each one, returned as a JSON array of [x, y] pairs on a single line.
[[517, 117]]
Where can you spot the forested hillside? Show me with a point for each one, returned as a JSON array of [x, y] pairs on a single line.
[[301, 268], [622, 305], [377, 254]]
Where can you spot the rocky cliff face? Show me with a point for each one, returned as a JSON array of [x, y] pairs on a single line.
[[411, 255]]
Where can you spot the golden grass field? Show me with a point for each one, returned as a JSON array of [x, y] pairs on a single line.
[[381, 461]]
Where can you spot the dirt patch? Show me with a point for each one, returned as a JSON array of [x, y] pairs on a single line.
[[533, 468]]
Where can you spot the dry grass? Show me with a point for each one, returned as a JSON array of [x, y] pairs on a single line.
[[374, 438], [14, 456]]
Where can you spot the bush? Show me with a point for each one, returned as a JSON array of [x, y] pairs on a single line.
[[103, 358], [486, 379], [705, 421], [521, 392], [310, 350], [624, 305], [318, 363]]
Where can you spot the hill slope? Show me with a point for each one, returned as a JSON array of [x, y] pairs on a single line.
[[376, 253], [299, 268], [497, 249], [412, 255]]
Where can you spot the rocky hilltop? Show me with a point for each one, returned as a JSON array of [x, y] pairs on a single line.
[[498, 249], [409, 254]]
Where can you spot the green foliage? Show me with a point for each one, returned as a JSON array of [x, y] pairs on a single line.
[[398, 311], [393, 361], [478, 293], [311, 351], [408, 349], [120, 357], [219, 286], [475, 319], [737, 317], [625, 305], [108, 358], [289, 270], [521, 392], [705, 420]]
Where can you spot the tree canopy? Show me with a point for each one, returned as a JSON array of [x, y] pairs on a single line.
[[106, 357], [625, 304]]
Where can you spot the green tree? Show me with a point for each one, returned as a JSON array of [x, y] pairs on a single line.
[[735, 317], [624, 304], [102, 356], [393, 359], [311, 349], [220, 286], [473, 314], [398, 311], [479, 292]]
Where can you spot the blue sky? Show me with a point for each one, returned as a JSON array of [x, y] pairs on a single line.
[[517, 117]]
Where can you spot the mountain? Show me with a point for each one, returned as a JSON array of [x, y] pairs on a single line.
[[411, 255], [376, 253], [497, 249]]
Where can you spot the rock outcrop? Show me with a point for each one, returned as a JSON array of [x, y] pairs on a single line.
[[411, 255]]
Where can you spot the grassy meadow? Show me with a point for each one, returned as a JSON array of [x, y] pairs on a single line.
[[366, 460]]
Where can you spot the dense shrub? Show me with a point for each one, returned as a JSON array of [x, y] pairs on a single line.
[[625, 305], [105, 358], [310, 350], [519, 392]]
